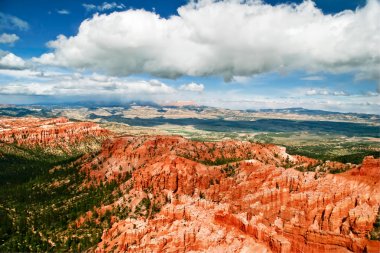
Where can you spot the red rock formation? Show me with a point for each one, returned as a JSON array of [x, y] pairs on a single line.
[[44, 132], [129, 153], [371, 167], [184, 225], [252, 204]]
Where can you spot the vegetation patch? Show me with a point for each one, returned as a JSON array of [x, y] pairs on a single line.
[[375, 233], [229, 170]]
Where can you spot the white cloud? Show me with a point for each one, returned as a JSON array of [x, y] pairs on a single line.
[[355, 103], [11, 61], [339, 93], [241, 79], [313, 92], [82, 85], [89, 7], [63, 12], [192, 87], [6, 38], [313, 78], [71, 86], [203, 40], [30, 74], [12, 22], [372, 94], [325, 92], [104, 7]]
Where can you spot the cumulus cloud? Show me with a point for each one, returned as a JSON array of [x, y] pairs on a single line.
[[80, 85], [63, 12], [203, 40], [103, 7], [11, 61], [6, 38], [192, 87], [11, 22]]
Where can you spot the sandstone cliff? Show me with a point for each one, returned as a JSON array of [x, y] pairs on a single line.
[[48, 133]]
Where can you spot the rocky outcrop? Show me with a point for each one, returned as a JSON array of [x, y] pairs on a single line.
[[371, 167], [57, 132], [129, 153], [184, 225], [235, 197]]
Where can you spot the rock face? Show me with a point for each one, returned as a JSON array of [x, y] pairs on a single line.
[[234, 197], [57, 132]]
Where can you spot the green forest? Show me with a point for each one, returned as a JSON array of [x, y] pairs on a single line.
[[37, 217]]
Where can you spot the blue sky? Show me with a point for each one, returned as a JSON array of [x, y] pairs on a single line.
[[240, 55]]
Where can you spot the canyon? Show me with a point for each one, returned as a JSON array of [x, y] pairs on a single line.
[[255, 201], [172, 194]]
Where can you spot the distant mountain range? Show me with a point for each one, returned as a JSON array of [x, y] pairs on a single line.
[[127, 105], [304, 111]]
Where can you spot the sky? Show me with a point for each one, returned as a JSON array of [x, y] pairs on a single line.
[[233, 54]]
